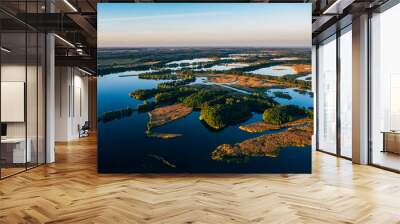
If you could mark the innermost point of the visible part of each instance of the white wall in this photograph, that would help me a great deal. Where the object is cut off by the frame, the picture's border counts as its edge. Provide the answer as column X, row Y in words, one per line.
column 71, row 102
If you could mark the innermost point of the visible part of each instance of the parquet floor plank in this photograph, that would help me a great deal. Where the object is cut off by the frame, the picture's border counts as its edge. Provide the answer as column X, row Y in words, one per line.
column 71, row 191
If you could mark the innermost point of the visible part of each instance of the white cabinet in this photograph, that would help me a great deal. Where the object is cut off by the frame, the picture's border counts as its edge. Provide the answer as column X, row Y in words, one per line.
column 19, row 154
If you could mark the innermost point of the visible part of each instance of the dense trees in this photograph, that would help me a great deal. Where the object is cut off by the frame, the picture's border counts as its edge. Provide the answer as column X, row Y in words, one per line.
column 257, row 102
column 113, row 115
column 143, row 94
column 283, row 114
column 220, row 108
column 197, row 99
column 212, row 116
column 282, row 95
column 220, row 115
column 157, row 76
column 146, row 106
column 174, row 94
column 173, row 84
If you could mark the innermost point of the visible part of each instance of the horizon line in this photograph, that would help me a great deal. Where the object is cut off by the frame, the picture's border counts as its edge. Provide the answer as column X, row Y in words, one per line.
column 133, row 47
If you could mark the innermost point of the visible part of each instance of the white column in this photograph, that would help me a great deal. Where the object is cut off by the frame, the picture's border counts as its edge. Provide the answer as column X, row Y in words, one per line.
column 63, row 112
column 360, row 90
column 50, row 98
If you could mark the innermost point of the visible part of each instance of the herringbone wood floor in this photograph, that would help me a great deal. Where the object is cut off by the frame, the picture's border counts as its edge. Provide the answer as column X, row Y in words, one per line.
column 71, row 191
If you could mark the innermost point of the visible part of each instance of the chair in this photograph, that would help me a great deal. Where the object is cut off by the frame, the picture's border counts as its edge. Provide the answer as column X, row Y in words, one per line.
column 84, row 130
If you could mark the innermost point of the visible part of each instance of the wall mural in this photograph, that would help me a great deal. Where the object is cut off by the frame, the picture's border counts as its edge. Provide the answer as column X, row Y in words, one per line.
column 204, row 88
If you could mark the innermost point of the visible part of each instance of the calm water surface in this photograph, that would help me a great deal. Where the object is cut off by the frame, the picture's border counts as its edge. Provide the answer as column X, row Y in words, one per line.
column 305, row 78
column 190, row 61
column 299, row 98
column 229, row 66
column 277, row 70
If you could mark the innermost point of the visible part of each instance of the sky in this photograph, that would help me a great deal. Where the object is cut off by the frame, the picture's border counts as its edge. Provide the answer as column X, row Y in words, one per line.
column 204, row 25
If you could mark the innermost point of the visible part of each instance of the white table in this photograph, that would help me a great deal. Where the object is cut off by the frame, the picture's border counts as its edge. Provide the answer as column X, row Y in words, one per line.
column 20, row 155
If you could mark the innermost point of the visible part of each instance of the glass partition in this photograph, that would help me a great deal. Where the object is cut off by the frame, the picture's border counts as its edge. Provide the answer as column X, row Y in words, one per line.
column 31, row 99
column 385, row 89
column 327, row 96
column 14, row 153
column 22, row 77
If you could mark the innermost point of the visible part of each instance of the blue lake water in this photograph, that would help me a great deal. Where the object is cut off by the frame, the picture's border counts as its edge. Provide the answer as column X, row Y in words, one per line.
column 227, row 66
column 277, row 70
column 123, row 146
column 190, row 61
column 305, row 78
column 298, row 98
column 130, row 73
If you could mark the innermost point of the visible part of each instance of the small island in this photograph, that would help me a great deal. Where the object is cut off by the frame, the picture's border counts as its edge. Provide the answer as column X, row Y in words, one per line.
column 262, row 126
column 115, row 115
column 163, row 135
column 220, row 115
column 143, row 94
column 244, row 81
column 163, row 115
column 302, row 68
column 158, row 76
column 282, row 95
column 283, row 114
